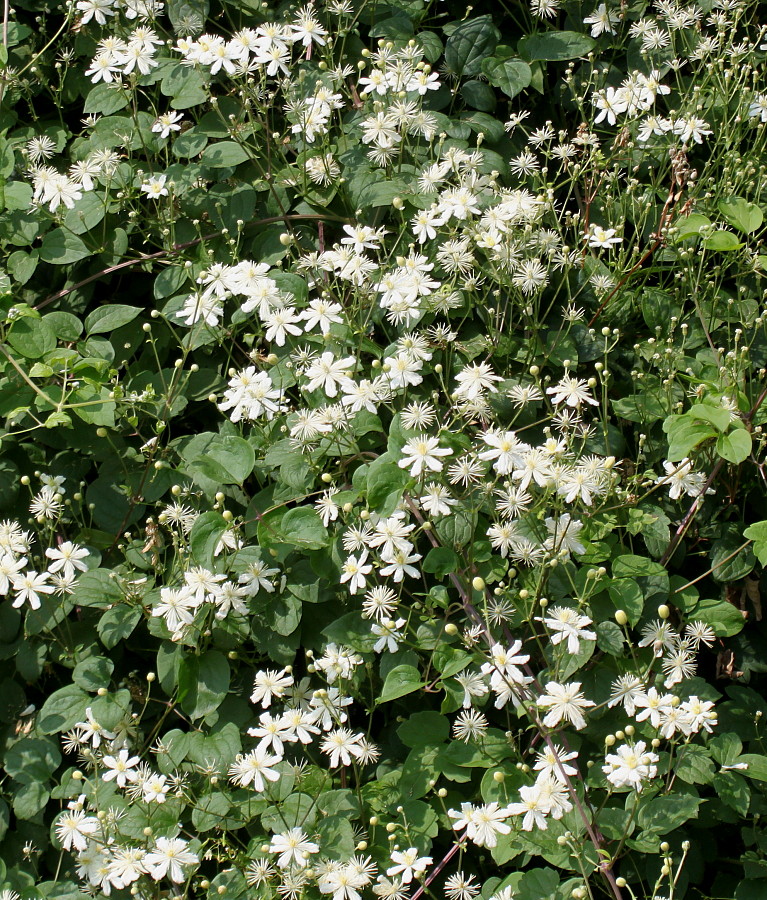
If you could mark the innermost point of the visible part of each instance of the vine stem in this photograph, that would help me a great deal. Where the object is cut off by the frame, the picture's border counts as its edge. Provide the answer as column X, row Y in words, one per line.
column 436, row 870
column 178, row 248
column 697, row 502
column 604, row 866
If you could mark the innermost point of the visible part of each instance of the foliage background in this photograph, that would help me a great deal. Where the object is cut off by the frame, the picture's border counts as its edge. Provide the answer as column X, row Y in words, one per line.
column 104, row 384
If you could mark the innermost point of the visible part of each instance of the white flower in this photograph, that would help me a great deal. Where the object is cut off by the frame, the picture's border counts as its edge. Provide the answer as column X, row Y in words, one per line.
column 483, row 823
column 126, row 866
column 177, row 606
column 564, row 701
column 680, row 478
column 599, row 237
column 294, row 848
column 28, row 586
column 270, row 684
column 572, row 391
column 534, row 806
column 258, row 575
column 631, row 765
column 601, row 21
column 553, row 761
column 95, row 9
column 121, row 768
column 436, row 500
column 354, row 571
column 691, row 129
column 254, row 768
column 421, row 453
column 167, row 122
column 474, row 380
column 388, row 635
column 155, row 788
column 252, row 394
column 154, row 186
column 342, row 745
column 329, row 373
column 168, row 857
column 567, row 624
column 73, row 829
column 322, row 313
column 653, row 706
column 67, row 557
column 408, row 864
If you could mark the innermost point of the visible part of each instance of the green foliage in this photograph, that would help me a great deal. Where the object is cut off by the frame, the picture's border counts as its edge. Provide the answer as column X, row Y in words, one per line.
column 382, row 450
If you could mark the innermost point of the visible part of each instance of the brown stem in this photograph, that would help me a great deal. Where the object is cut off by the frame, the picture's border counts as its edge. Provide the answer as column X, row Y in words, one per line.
column 178, row 248
column 696, row 504
column 673, row 196
column 604, row 865
column 435, row 871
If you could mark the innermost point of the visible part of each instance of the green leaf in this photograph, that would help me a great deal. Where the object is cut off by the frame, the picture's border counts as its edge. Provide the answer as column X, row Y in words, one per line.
column 400, row 681
column 714, row 415
column 204, row 537
column 472, row 41
column 756, row 766
column 93, row 405
column 450, row 660
column 424, row 728
column 746, row 217
column 685, row 433
column 723, row 617
column 732, row 790
column 556, row 46
column 190, row 143
column 117, row 624
column 5, row 821
column 210, row 810
column 538, row 884
column 728, row 561
column 758, row 534
column 735, row 446
column 609, row 638
column 724, row 241
column 203, row 683
column 93, row 673
column 224, row 459
column 185, row 86
column 441, row 561
column 30, row 799
column 725, row 748
column 510, row 75
column 63, row 709
column 31, row 337
column 109, row 317
column 478, row 95
column 351, row 630
column 60, row 248
column 106, row 99
column 693, row 765
column 87, row 212
column 32, row 759
column 97, row 589
column 385, row 482
column 337, row 832
column 689, row 226
column 302, row 527
column 223, row 154
column 664, row 814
